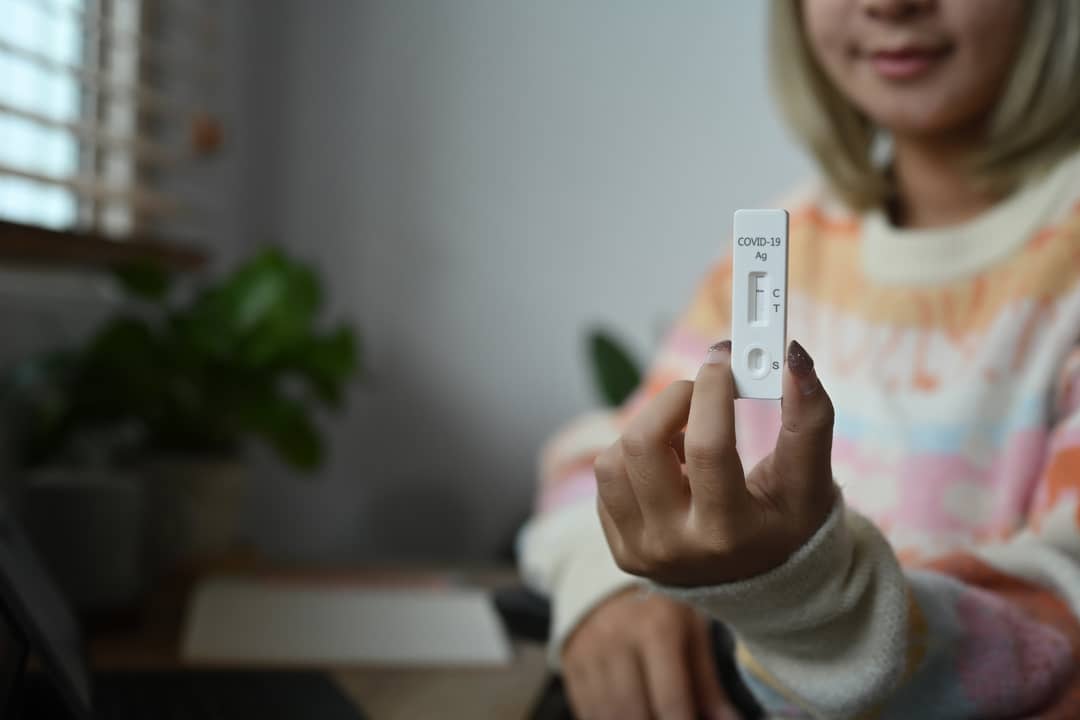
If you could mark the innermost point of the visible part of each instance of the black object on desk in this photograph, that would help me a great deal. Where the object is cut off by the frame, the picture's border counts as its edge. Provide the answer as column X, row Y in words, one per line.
column 35, row 620
column 197, row 695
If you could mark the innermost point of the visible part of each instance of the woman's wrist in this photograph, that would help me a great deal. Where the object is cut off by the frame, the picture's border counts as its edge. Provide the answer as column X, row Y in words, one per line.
column 836, row 615
column 765, row 601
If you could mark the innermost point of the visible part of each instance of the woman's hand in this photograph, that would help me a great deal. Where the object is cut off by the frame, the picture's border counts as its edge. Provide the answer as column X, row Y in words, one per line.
column 639, row 657
column 677, row 508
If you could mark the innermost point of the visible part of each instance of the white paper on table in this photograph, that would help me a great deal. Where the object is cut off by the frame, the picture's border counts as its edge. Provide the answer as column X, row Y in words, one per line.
column 236, row 621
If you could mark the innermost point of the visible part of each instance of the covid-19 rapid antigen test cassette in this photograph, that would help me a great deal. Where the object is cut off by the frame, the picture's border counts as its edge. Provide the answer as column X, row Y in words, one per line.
column 759, row 302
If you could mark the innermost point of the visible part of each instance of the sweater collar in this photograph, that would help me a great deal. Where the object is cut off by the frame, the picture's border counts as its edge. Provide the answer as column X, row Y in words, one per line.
column 934, row 256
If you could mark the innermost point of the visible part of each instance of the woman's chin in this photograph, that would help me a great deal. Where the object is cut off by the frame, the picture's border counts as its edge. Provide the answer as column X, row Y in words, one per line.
column 929, row 122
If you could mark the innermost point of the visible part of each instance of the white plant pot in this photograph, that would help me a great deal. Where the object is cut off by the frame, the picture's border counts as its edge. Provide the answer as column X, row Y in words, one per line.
column 87, row 526
column 193, row 508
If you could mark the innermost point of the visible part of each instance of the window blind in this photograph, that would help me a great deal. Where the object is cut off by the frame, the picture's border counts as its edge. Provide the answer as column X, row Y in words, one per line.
column 101, row 101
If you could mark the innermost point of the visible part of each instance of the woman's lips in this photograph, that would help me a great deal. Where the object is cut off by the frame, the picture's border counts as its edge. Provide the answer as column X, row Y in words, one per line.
column 906, row 63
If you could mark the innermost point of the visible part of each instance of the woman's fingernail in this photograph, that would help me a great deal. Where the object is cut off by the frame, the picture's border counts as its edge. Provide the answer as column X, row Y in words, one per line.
column 718, row 353
column 802, row 368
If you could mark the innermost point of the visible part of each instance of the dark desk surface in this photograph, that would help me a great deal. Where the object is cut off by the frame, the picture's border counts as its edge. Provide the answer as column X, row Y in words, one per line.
column 150, row 640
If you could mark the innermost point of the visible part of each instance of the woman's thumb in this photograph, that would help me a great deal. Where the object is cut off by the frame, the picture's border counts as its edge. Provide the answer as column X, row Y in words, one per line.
column 804, row 447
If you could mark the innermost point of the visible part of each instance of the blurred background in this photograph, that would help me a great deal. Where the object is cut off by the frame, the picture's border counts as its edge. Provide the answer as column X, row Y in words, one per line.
column 456, row 193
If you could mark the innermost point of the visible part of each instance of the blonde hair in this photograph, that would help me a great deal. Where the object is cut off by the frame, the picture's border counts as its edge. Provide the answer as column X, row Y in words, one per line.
column 1035, row 123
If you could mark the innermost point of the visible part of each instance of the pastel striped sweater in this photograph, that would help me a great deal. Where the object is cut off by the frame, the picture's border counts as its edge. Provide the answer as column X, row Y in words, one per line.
column 947, row 582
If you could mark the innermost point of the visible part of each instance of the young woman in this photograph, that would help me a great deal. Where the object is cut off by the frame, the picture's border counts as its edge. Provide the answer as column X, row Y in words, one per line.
column 902, row 538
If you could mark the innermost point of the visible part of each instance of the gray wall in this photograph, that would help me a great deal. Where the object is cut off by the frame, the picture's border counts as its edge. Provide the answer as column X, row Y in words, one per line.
column 480, row 181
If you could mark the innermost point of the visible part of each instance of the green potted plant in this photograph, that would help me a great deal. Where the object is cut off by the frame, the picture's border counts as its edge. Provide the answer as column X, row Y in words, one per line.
column 174, row 385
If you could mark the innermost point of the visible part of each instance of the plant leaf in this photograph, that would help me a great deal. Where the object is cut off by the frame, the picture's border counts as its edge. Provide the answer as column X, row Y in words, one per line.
column 285, row 425
column 615, row 372
column 259, row 312
column 326, row 362
column 145, row 280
